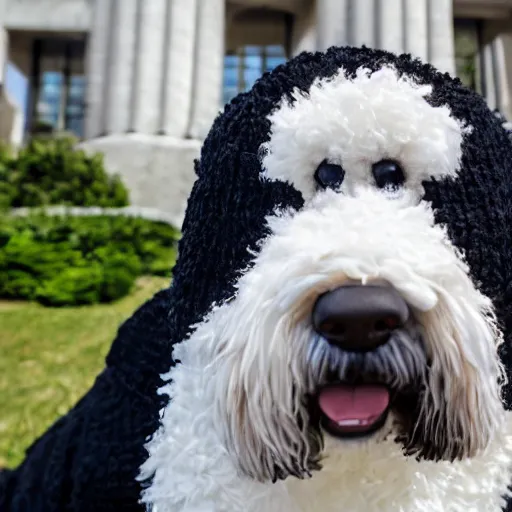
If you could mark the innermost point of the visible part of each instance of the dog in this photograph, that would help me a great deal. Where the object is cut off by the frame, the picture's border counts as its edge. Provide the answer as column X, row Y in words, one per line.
column 337, row 333
column 349, row 360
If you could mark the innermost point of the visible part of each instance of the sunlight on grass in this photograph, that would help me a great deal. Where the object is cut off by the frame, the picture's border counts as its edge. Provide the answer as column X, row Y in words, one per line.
column 50, row 358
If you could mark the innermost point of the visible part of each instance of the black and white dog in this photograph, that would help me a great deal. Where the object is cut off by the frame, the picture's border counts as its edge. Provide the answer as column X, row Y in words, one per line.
column 342, row 299
column 337, row 334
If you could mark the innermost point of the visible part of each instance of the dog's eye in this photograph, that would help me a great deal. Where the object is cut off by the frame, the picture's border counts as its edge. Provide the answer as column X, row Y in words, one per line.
column 388, row 174
column 329, row 175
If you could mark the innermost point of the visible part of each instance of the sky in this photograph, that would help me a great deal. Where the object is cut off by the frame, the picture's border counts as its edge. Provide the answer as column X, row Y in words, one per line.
column 17, row 86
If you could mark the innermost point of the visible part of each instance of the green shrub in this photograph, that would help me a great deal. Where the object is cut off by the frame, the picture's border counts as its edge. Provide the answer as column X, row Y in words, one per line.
column 74, row 285
column 7, row 188
column 162, row 259
column 120, row 268
column 50, row 170
column 80, row 260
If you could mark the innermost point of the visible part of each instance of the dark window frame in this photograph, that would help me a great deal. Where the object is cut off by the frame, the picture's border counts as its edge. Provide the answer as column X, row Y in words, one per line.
column 476, row 25
column 68, row 50
column 263, row 53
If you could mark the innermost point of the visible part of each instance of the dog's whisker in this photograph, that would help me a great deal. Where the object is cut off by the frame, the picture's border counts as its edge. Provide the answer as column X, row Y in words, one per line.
column 397, row 363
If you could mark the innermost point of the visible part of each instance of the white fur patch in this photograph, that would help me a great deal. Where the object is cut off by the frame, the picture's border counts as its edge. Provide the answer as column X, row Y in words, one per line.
column 358, row 122
column 378, row 478
column 249, row 353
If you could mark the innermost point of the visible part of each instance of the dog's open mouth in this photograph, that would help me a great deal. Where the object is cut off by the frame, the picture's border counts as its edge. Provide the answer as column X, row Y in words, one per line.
column 353, row 410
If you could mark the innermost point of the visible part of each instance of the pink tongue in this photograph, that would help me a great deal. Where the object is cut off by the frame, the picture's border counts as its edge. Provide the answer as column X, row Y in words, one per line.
column 353, row 405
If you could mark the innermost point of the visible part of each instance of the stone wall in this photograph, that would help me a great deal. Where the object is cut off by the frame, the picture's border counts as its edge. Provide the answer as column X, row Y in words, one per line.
column 52, row 15
column 158, row 171
column 304, row 36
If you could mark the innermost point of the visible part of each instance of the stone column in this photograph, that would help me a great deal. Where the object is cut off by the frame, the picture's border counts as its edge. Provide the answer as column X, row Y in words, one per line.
column 494, row 80
column 495, row 77
column 111, row 64
column 503, row 102
column 140, row 66
column 178, row 68
column 332, row 23
column 4, row 43
column 416, row 28
column 11, row 114
column 423, row 28
column 121, row 66
column 208, row 66
column 488, row 75
column 391, row 26
column 97, row 58
column 304, row 31
column 441, row 52
column 149, row 66
column 362, row 27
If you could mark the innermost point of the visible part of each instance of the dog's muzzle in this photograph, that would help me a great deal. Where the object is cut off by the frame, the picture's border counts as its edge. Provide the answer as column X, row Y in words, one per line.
column 357, row 319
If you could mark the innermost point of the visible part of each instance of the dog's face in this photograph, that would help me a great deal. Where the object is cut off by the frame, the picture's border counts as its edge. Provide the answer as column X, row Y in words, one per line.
column 362, row 311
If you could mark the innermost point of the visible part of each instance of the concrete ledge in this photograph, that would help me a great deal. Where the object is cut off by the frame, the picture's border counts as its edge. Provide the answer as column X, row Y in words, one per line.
column 157, row 170
column 151, row 214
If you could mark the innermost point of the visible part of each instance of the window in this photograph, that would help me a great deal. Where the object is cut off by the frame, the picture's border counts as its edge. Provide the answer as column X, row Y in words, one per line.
column 245, row 65
column 75, row 105
column 58, row 85
column 467, row 47
column 48, row 105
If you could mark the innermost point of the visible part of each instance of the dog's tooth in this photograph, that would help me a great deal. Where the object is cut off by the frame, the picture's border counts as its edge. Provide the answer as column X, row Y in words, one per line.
column 350, row 423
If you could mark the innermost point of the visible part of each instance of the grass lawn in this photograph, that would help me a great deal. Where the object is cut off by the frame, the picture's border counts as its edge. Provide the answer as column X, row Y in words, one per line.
column 49, row 358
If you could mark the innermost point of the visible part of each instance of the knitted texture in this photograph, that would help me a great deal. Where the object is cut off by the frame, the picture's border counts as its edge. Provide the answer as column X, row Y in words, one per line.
column 89, row 459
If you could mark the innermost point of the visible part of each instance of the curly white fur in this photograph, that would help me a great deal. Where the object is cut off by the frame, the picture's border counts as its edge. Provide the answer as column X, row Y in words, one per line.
column 233, row 416
column 356, row 122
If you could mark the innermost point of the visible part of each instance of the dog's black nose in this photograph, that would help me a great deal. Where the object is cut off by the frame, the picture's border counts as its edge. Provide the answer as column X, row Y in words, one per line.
column 359, row 318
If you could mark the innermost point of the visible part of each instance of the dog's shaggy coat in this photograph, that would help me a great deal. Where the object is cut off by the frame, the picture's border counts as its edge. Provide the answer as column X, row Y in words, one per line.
column 205, row 401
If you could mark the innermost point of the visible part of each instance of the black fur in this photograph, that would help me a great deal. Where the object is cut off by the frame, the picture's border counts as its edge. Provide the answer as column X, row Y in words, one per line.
column 89, row 459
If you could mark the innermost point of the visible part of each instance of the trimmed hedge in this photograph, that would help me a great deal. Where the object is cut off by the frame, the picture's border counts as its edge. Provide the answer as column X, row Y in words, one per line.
column 61, row 261
column 7, row 188
column 50, row 171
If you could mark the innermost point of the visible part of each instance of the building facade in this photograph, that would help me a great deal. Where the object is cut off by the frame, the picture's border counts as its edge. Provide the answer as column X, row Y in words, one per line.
column 142, row 80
